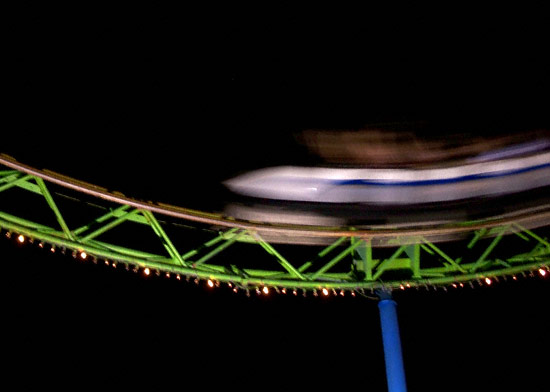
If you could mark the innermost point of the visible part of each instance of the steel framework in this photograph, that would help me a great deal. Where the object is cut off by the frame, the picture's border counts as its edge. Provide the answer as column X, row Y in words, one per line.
column 193, row 243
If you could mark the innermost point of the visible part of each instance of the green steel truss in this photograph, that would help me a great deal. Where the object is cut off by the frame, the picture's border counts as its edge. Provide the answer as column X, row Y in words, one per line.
column 351, row 261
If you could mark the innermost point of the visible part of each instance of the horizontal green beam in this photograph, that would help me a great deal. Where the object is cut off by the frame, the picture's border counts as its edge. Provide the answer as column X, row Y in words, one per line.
column 259, row 277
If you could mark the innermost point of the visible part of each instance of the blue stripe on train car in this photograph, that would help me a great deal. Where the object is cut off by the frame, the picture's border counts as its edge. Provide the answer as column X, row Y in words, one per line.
column 441, row 181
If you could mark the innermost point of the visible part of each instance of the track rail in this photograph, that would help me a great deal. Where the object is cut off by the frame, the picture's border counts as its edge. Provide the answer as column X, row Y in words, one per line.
column 529, row 218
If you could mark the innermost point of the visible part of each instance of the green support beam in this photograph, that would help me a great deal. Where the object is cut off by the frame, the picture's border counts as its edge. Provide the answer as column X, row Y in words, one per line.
column 388, row 263
column 14, row 180
column 221, row 237
column 413, row 251
column 49, row 199
column 109, row 226
column 220, row 248
column 335, row 260
column 166, row 242
column 305, row 266
column 286, row 265
column 444, row 256
column 98, row 221
column 482, row 259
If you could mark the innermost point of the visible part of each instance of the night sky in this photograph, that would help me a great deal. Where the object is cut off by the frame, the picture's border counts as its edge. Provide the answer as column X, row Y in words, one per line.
column 164, row 108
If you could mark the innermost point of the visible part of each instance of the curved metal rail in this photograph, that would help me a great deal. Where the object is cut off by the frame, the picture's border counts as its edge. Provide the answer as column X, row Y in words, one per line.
column 344, row 258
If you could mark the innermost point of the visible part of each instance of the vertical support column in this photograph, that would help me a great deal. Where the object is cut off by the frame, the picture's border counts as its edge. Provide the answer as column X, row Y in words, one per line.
column 413, row 251
column 395, row 371
column 362, row 256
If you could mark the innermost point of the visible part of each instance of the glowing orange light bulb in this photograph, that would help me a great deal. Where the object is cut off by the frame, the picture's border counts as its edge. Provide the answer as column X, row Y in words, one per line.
column 83, row 255
column 147, row 271
column 488, row 281
column 325, row 291
column 542, row 272
column 210, row 283
column 21, row 238
column 265, row 290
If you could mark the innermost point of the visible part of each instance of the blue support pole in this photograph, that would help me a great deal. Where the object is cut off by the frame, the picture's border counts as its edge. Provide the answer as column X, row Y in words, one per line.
column 395, row 372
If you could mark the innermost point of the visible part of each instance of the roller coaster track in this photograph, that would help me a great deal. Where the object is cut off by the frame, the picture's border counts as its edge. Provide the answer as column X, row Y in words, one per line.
column 97, row 224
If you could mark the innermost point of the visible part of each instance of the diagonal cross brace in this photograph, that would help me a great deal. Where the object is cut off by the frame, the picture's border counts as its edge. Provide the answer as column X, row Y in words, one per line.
column 480, row 261
column 322, row 254
column 109, row 225
column 98, row 221
column 13, row 180
column 286, row 265
column 7, row 173
column 159, row 231
column 335, row 260
column 53, row 206
column 533, row 235
column 443, row 255
column 208, row 244
column 221, row 247
column 383, row 265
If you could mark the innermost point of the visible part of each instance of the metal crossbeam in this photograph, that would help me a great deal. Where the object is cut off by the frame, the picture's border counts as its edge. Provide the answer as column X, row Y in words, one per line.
column 98, row 221
column 13, row 180
column 49, row 199
column 335, row 260
column 482, row 259
column 220, row 248
column 444, row 255
column 166, row 242
column 286, row 265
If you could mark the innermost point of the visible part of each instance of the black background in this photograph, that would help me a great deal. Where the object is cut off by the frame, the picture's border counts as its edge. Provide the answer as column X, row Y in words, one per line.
column 132, row 98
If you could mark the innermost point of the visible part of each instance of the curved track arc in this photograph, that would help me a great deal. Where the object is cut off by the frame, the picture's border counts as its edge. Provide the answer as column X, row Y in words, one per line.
column 411, row 257
column 522, row 217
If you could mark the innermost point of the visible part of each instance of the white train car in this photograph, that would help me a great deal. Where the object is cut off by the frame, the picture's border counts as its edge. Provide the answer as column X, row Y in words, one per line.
column 489, row 175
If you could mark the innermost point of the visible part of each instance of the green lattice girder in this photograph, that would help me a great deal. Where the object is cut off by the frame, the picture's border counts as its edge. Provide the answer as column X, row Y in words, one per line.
column 348, row 262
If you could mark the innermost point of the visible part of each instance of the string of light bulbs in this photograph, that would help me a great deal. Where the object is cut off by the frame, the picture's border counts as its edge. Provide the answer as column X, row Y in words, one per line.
column 541, row 270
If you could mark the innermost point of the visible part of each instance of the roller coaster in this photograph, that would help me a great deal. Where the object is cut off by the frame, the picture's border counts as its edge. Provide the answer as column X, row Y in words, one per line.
column 94, row 223
column 301, row 251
